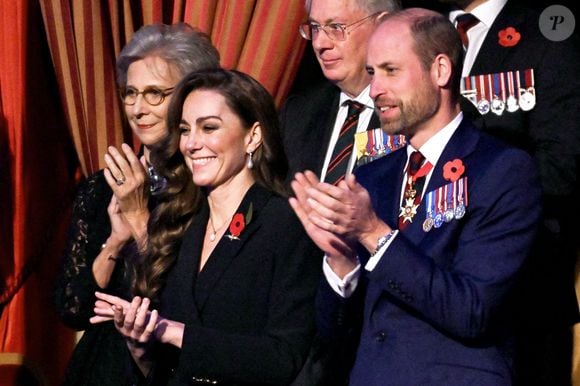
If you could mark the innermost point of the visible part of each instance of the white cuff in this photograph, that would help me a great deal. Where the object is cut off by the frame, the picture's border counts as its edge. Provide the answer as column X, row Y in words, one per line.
column 344, row 287
column 376, row 257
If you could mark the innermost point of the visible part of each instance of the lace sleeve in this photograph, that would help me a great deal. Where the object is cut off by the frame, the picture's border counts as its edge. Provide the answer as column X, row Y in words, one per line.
column 89, row 229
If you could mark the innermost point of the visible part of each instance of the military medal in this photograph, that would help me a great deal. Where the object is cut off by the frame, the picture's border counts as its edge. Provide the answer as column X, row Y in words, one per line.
column 373, row 144
column 468, row 91
column 461, row 198
column 409, row 209
column 497, row 103
column 438, row 219
column 428, row 223
column 511, row 102
column 483, row 102
column 378, row 147
column 445, row 204
column 449, row 213
column 527, row 99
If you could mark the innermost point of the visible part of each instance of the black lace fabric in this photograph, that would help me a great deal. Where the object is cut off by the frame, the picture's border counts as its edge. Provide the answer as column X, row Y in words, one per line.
column 101, row 357
column 89, row 229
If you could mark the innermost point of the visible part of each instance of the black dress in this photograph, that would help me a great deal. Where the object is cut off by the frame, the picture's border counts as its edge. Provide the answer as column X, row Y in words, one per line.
column 101, row 356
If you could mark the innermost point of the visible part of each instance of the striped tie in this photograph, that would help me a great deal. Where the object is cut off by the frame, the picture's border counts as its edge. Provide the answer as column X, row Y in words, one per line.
column 338, row 165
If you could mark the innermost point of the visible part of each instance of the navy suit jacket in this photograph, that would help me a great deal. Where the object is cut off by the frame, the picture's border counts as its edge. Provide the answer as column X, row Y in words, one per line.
column 307, row 121
column 249, row 314
column 438, row 305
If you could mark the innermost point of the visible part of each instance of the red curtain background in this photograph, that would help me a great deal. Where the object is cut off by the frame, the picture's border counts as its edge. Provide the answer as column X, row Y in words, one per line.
column 255, row 36
column 59, row 111
column 37, row 165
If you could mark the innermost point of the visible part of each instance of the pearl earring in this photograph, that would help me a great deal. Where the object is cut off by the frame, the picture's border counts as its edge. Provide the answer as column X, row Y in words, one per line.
column 250, row 163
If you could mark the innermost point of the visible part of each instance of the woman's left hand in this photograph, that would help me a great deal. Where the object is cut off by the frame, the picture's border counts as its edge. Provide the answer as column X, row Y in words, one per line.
column 133, row 320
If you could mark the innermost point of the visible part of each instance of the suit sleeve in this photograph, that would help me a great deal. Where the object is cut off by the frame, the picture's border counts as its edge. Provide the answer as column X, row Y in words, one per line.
column 275, row 355
column 465, row 296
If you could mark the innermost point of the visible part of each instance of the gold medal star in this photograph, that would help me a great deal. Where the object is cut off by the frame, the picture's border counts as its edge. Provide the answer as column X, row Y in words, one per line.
column 409, row 210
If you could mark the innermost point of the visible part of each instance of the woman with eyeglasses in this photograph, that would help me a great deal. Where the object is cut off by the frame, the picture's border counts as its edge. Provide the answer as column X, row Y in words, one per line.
column 111, row 210
column 225, row 291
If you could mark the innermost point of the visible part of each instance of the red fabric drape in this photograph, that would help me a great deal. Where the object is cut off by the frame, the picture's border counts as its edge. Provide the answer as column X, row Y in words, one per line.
column 258, row 37
column 36, row 178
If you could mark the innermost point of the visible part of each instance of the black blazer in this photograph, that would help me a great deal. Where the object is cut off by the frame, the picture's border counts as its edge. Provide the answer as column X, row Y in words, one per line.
column 307, row 121
column 249, row 314
column 550, row 131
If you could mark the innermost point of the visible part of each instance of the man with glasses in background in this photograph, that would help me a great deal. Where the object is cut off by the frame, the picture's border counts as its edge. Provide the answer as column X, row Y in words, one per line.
column 319, row 123
column 313, row 121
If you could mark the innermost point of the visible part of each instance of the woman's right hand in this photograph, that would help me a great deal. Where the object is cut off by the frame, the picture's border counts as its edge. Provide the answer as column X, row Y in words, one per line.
column 127, row 177
column 134, row 322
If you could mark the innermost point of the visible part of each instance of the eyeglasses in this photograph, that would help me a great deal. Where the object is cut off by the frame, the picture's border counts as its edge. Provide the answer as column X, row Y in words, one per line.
column 335, row 31
column 152, row 95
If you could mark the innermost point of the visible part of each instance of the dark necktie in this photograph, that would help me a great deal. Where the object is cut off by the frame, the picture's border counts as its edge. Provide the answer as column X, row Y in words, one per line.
column 414, row 181
column 337, row 167
column 464, row 23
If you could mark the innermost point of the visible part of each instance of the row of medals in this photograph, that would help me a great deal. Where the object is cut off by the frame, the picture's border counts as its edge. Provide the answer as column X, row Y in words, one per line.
column 500, row 92
column 444, row 216
column 434, row 218
column 454, row 207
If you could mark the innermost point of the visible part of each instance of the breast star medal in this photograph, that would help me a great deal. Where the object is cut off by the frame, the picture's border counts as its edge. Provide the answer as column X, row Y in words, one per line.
column 409, row 210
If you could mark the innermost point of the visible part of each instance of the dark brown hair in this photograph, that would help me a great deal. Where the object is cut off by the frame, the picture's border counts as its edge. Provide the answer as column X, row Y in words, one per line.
column 181, row 199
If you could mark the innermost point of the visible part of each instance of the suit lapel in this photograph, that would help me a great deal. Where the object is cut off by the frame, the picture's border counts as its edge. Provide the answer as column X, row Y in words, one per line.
column 491, row 53
column 228, row 249
column 324, row 124
column 178, row 295
column 374, row 122
column 384, row 184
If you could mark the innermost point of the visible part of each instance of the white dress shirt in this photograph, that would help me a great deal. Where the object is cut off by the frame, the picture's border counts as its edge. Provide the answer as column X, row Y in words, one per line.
column 486, row 13
column 431, row 150
column 363, row 123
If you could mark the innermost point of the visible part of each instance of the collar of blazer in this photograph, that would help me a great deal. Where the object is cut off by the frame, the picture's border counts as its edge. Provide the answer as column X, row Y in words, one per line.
column 227, row 248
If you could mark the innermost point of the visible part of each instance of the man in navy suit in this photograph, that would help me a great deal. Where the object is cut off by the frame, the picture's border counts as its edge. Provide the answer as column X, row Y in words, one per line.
column 424, row 254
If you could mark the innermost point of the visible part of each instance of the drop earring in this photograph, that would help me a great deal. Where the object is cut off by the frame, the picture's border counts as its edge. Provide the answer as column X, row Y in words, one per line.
column 250, row 163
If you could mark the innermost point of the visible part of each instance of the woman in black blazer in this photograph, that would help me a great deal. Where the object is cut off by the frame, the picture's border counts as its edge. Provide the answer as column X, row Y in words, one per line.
column 229, row 270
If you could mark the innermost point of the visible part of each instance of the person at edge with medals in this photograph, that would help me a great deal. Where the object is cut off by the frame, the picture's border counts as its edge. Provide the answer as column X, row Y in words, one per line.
column 111, row 208
column 424, row 247
column 522, row 86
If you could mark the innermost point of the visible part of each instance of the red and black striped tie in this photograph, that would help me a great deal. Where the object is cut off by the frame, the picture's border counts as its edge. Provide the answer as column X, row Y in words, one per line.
column 338, row 164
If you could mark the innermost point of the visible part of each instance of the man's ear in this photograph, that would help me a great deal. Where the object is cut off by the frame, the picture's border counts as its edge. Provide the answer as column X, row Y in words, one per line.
column 441, row 70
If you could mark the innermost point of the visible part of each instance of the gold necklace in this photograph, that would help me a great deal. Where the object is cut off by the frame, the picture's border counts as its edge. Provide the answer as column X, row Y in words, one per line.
column 213, row 234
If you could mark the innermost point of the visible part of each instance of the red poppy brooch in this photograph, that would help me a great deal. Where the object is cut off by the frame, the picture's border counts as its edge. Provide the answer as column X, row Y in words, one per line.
column 509, row 37
column 453, row 170
column 239, row 222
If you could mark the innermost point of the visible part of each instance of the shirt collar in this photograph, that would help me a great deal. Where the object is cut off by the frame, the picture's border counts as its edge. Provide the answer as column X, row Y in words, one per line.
column 433, row 148
column 486, row 12
column 363, row 98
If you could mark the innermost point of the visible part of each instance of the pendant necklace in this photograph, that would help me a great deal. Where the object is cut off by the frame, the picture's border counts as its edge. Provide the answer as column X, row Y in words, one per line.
column 213, row 234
